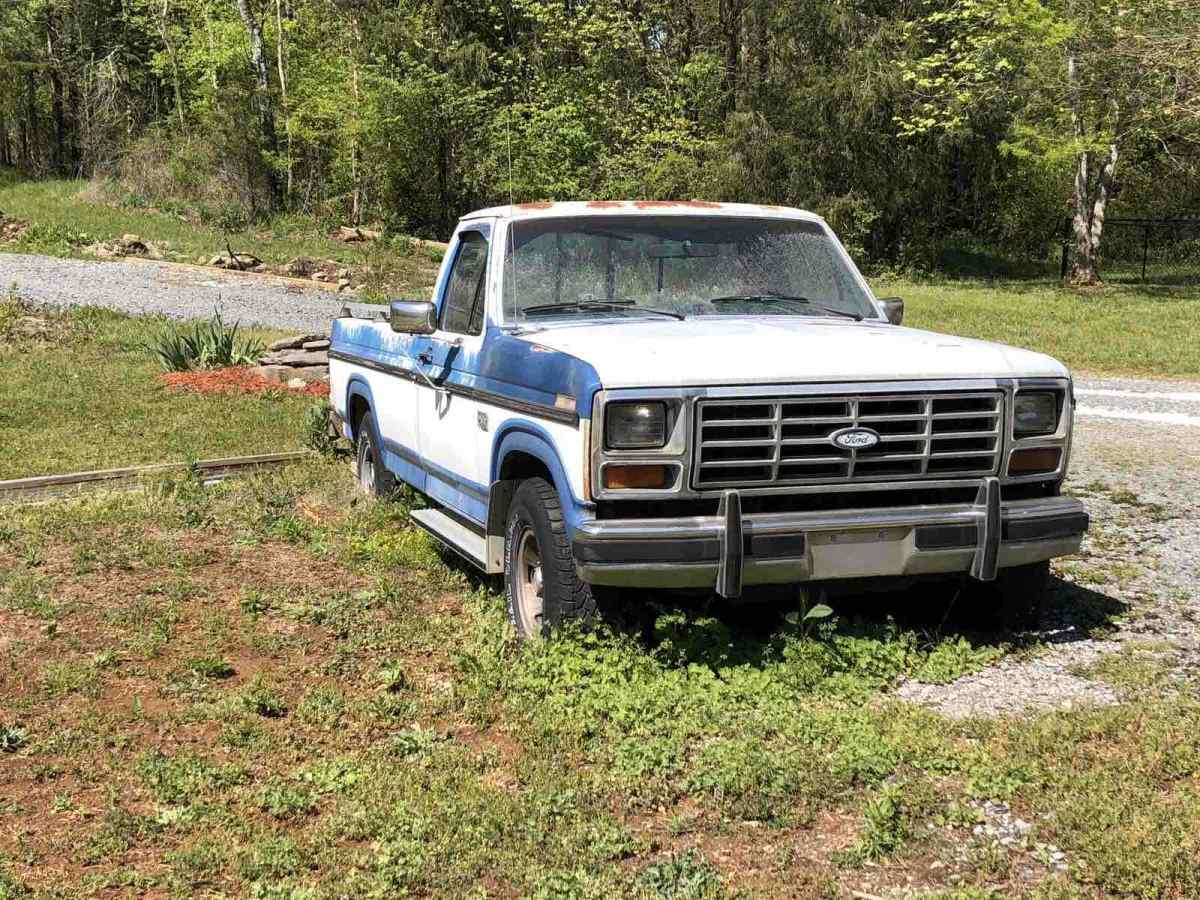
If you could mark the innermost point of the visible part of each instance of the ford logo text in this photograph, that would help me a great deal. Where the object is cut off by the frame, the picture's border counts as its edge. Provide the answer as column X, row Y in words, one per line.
column 854, row 438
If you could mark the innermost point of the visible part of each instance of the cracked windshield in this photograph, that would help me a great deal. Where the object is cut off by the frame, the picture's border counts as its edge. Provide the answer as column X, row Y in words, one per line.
column 677, row 267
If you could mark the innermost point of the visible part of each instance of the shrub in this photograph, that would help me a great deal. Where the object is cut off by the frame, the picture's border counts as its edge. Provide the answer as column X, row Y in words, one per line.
column 208, row 344
column 318, row 432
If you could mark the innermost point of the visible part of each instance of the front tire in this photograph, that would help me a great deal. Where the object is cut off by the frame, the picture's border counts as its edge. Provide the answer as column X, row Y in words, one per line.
column 373, row 476
column 543, row 589
column 1013, row 602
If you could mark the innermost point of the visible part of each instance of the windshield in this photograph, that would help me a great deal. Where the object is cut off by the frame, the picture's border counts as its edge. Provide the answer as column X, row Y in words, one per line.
column 612, row 266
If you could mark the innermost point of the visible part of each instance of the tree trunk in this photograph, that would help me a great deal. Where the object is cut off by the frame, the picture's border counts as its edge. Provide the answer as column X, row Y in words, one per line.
column 356, row 195
column 1103, row 191
column 165, row 34
column 1083, row 268
column 32, row 129
column 60, row 121
column 5, row 153
column 731, row 26
column 280, row 59
column 262, row 93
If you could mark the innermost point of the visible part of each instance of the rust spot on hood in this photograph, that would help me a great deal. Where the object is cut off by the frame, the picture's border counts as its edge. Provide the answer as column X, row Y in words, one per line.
column 537, row 204
column 606, row 204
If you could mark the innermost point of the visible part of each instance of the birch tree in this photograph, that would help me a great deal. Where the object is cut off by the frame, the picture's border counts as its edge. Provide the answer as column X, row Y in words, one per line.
column 1064, row 74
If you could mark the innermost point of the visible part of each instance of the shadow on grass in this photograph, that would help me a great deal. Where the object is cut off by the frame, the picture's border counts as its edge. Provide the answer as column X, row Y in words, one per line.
column 707, row 630
column 714, row 631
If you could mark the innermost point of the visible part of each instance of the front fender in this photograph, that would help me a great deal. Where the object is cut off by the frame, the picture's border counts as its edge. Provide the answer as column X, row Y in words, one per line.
column 519, row 435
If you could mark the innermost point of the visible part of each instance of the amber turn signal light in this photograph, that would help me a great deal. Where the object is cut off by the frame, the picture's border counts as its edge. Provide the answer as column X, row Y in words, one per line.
column 639, row 477
column 1034, row 460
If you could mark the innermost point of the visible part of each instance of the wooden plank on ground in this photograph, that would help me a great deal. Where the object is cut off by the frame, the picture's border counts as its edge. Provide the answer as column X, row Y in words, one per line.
column 48, row 487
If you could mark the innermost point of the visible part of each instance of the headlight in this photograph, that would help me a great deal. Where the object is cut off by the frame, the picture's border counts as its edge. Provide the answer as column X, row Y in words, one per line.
column 635, row 426
column 1035, row 413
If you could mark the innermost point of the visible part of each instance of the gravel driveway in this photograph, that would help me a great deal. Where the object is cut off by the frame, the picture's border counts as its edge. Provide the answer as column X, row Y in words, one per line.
column 177, row 291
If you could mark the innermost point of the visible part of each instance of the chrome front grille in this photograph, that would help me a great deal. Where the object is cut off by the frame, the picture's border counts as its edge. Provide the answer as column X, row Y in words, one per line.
column 776, row 441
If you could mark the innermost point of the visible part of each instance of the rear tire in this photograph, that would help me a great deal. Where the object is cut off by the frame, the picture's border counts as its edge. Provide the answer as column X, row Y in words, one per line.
column 373, row 476
column 543, row 590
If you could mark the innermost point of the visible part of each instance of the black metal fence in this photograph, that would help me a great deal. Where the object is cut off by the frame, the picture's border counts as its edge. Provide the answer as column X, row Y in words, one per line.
column 1148, row 251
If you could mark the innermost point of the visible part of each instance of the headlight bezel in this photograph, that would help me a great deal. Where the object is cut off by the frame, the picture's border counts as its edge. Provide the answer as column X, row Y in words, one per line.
column 674, row 453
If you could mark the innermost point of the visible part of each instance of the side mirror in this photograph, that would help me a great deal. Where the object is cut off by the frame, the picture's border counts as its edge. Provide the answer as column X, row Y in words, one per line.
column 893, row 308
column 413, row 316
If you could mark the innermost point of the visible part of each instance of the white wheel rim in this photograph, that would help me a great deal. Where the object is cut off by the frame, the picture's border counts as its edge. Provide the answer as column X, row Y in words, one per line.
column 529, row 585
column 366, row 468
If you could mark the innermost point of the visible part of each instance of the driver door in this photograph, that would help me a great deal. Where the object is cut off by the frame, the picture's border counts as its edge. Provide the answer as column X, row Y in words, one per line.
column 449, row 430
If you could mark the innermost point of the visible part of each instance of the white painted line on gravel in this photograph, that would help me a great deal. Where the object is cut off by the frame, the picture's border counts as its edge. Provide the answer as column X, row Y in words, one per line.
column 1160, row 418
column 1181, row 396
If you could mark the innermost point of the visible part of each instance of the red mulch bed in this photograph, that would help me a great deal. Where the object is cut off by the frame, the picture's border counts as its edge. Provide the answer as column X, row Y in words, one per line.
column 234, row 380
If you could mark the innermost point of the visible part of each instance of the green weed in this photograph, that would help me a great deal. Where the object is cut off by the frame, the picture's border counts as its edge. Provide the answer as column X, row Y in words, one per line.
column 262, row 699
column 12, row 738
column 685, row 876
column 203, row 344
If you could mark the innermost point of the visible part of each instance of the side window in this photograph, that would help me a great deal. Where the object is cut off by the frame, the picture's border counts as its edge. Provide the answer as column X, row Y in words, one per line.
column 462, row 306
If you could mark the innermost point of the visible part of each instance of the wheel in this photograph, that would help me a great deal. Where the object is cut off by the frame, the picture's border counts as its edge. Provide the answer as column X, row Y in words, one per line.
column 373, row 476
column 540, row 581
column 1014, row 600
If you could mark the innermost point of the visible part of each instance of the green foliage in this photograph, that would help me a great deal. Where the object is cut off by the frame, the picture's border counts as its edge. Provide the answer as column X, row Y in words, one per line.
column 263, row 699
column 203, row 344
column 283, row 801
column 904, row 124
column 884, row 827
column 184, row 779
column 684, row 876
column 11, row 309
column 12, row 738
column 317, row 431
column 211, row 667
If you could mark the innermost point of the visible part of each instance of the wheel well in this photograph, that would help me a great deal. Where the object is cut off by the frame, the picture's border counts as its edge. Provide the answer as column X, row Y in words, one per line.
column 515, row 468
column 518, row 466
column 358, row 408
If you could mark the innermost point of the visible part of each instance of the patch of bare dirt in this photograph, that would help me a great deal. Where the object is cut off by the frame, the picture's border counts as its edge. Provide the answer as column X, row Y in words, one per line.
column 233, row 380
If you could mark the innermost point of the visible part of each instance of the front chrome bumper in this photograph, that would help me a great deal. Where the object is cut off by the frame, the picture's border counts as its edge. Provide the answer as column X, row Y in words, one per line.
column 730, row 550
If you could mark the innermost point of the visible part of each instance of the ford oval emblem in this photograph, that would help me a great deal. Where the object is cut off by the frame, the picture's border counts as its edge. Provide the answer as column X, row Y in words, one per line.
column 854, row 438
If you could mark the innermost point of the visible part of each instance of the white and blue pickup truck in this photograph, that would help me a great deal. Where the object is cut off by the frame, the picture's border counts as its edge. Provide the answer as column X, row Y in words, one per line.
column 700, row 395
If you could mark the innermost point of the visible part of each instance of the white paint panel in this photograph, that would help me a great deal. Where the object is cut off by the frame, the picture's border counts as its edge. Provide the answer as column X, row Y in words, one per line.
column 566, row 440
column 709, row 350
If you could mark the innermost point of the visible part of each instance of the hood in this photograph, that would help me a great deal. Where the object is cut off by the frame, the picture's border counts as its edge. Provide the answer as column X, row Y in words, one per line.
column 711, row 351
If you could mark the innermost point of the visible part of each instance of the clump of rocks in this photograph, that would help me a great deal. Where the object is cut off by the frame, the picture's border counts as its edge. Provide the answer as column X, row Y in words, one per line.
column 11, row 229
column 237, row 262
column 126, row 245
column 324, row 271
column 297, row 361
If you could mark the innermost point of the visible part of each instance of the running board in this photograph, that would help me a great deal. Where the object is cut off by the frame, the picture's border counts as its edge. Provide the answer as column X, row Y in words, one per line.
column 469, row 544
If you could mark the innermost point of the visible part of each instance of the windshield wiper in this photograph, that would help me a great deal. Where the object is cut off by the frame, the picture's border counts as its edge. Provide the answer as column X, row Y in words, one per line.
column 616, row 304
column 786, row 298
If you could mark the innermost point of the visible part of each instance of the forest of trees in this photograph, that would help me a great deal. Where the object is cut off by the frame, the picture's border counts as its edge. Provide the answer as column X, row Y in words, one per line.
column 907, row 123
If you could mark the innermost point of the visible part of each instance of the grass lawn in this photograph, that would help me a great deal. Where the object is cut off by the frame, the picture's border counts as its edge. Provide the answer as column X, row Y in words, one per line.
column 87, row 398
column 265, row 689
column 67, row 220
column 1117, row 330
